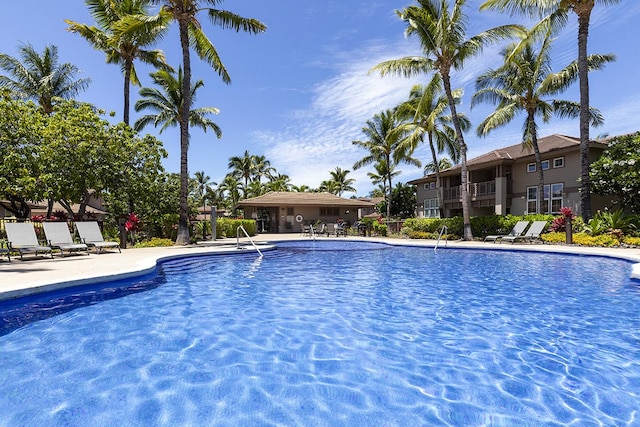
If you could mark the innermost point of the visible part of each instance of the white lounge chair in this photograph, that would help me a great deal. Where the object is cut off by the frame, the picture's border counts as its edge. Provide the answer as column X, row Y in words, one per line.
column 533, row 233
column 517, row 230
column 22, row 239
column 91, row 235
column 59, row 237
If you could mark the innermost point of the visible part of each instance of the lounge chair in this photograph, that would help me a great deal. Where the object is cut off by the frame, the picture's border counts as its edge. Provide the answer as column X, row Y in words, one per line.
column 22, row 239
column 5, row 252
column 91, row 235
column 533, row 233
column 59, row 237
column 517, row 230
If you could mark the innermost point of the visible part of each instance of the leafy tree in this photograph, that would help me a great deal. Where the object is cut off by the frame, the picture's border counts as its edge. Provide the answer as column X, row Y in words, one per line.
column 21, row 125
column 123, row 48
column 427, row 110
column 441, row 30
column 524, row 83
column 555, row 15
column 384, row 146
column 191, row 34
column 40, row 77
column 617, row 172
column 403, row 199
column 82, row 151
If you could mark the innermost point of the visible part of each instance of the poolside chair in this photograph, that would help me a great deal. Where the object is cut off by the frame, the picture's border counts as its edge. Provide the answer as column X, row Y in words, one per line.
column 91, row 235
column 22, row 239
column 517, row 230
column 59, row 237
column 533, row 233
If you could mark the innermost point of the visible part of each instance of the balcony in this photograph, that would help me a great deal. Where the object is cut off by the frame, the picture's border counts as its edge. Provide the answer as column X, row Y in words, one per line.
column 476, row 189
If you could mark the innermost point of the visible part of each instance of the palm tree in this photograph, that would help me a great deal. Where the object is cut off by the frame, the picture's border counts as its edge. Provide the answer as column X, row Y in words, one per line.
column 40, row 77
column 383, row 145
column 242, row 167
column 262, row 168
column 203, row 183
column 339, row 176
column 122, row 48
column 329, row 186
column 381, row 174
column 191, row 35
column 443, row 163
column 168, row 104
column 230, row 186
column 279, row 182
column 428, row 109
column 521, row 84
column 555, row 13
column 442, row 33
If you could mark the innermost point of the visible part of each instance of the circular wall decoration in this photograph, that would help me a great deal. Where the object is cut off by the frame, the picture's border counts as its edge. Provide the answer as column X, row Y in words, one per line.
column 299, row 218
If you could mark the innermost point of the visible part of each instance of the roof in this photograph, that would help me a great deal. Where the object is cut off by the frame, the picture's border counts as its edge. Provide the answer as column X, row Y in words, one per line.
column 279, row 198
column 515, row 152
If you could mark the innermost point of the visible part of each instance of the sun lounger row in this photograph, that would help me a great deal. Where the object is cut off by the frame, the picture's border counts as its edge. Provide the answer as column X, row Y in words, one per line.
column 518, row 233
column 22, row 238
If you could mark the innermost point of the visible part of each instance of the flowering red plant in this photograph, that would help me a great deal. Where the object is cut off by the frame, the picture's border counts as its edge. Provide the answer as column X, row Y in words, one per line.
column 37, row 218
column 133, row 221
column 566, row 212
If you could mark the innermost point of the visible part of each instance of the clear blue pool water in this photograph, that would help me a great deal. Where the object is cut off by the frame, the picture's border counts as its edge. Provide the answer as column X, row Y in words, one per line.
column 332, row 334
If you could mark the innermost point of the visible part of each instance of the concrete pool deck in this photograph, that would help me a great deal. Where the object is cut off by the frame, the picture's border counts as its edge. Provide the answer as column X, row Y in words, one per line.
column 34, row 275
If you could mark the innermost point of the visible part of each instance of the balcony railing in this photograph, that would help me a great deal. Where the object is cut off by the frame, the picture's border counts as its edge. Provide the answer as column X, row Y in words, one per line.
column 476, row 189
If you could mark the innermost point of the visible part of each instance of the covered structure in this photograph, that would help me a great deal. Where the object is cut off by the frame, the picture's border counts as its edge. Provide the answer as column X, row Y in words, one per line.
column 282, row 212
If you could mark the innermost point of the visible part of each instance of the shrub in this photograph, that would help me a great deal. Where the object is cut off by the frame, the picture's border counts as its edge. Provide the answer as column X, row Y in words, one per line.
column 555, row 237
column 631, row 241
column 380, row 229
column 226, row 227
column 154, row 243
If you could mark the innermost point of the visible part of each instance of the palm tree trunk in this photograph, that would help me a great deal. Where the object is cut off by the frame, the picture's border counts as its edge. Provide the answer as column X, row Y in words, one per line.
column 390, row 188
column 536, row 149
column 584, row 15
column 127, row 83
column 436, row 165
column 464, row 187
column 183, row 223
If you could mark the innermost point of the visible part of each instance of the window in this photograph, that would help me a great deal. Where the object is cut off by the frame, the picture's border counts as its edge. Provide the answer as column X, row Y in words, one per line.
column 551, row 204
column 432, row 185
column 329, row 212
column 426, row 185
column 431, row 208
column 545, row 165
column 289, row 211
column 531, row 167
column 558, row 162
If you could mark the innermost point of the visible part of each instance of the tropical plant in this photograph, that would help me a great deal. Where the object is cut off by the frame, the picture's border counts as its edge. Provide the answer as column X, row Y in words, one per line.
column 427, row 109
column 40, row 77
column 383, row 145
column 167, row 103
column 192, row 36
column 242, row 167
column 123, row 48
column 554, row 15
column 339, row 176
column 524, row 83
column 202, row 185
column 441, row 30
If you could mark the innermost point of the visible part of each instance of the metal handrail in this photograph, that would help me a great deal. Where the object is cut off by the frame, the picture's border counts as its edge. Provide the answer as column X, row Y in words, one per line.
column 444, row 227
column 248, row 237
column 312, row 232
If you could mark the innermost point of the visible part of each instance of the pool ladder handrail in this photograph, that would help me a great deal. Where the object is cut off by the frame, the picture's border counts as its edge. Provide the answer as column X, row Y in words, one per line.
column 312, row 232
column 442, row 230
column 248, row 237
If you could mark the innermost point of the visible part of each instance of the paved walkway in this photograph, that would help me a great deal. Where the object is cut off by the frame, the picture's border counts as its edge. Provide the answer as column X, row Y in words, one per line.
column 19, row 278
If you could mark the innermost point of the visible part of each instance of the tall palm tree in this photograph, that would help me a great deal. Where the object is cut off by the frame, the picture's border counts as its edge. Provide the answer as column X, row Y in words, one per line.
column 555, row 14
column 279, row 182
column 521, row 84
column 242, row 167
column 123, row 48
column 41, row 77
column 382, row 172
column 262, row 168
column 441, row 30
column 202, row 185
column 383, row 145
column 167, row 103
column 230, row 187
column 428, row 111
column 191, row 34
column 339, row 176
column 443, row 163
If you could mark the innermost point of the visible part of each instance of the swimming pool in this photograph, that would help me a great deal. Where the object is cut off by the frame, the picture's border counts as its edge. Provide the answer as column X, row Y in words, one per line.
column 332, row 333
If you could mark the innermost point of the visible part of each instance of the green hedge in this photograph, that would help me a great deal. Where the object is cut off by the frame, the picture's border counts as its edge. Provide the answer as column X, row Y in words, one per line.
column 481, row 226
column 226, row 227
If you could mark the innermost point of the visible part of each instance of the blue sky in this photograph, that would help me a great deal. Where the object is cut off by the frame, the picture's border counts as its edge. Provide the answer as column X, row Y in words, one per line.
column 301, row 91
